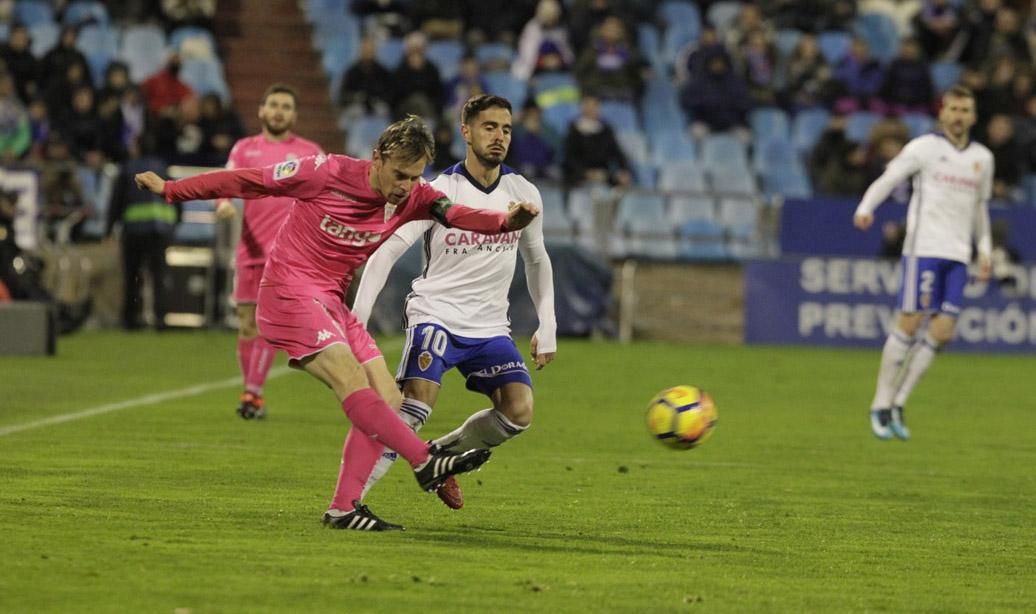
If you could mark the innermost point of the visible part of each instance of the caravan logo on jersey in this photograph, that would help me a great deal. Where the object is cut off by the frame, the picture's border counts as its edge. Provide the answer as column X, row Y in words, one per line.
column 285, row 169
column 350, row 236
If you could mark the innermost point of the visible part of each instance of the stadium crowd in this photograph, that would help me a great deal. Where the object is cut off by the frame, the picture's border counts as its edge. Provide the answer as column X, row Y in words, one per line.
column 619, row 92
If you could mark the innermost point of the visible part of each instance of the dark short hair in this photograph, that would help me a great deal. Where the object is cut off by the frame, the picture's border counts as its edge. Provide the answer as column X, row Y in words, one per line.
column 959, row 91
column 280, row 88
column 409, row 140
column 477, row 104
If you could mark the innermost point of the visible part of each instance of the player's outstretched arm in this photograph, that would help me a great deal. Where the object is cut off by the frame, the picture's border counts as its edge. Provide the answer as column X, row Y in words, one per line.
column 240, row 183
column 485, row 221
column 539, row 276
column 904, row 165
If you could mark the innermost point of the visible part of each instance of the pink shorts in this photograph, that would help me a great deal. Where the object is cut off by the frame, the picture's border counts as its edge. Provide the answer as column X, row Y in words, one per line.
column 246, row 283
column 303, row 322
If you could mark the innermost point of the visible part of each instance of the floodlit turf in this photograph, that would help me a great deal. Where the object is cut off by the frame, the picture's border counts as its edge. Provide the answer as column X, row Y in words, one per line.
column 792, row 506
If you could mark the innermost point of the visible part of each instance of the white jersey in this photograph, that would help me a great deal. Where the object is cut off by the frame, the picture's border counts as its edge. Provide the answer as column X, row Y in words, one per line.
column 467, row 275
column 948, row 207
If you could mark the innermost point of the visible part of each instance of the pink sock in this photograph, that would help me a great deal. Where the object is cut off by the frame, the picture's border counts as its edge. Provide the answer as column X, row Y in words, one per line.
column 359, row 454
column 259, row 366
column 244, row 356
column 372, row 415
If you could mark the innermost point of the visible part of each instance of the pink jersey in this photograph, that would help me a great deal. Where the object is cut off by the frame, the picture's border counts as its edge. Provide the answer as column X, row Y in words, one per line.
column 337, row 219
column 263, row 217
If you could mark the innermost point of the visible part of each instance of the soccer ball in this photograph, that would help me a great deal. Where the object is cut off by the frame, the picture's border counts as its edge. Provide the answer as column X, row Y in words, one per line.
column 681, row 417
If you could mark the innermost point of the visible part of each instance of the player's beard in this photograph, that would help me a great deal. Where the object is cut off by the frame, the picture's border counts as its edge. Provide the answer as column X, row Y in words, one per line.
column 488, row 159
column 275, row 130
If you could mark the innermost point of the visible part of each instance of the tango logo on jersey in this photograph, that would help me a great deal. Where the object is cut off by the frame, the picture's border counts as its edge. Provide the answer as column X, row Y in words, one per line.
column 424, row 360
column 514, row 365
column 323, row 336
column 456, row 239
column 285, row 170
column 351, row 236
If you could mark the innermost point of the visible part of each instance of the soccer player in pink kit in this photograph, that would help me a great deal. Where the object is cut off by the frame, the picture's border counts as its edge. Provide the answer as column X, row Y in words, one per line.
column 344, row 209
column 261, row 221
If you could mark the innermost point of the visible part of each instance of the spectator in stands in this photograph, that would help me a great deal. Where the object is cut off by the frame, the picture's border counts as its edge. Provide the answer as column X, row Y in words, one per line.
column 1021, row 90
column 937, row 25
column 806, row 77
column 179, row 136
column 16, row 55
column 690, row 63
column 116, row 80
column 836, row 163
column 543, row 45
column 997, row 96
column 611, row 67
column 180, row 13
column 1026, row 130
column 591, row 152
column 587, row 15
column 534, row 145
column 718, row 99
column 366, row 86
column 60, row 89
column 221, row 128
column 147, row 224
column 858, row 78
column 417, row 86
column 749, row 19
column 1008, row 157
column 112, row 127
column 384, row 17
column 64, row 203
column 81, row 127
column 880, row 153
column 444, row 138
column 758, row 58
column 134, row 116
column 39, row 128
column 467, row 83
column 994, row 31
column 907, row 87
column 164, row 90
column 15, row 135
column 813, row 16
column 56, row 62
column 439, row 19
column 496, row 20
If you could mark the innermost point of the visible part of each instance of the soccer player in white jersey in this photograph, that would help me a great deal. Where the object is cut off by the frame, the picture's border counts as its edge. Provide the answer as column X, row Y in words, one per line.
column 456, row 314
column 952, row 180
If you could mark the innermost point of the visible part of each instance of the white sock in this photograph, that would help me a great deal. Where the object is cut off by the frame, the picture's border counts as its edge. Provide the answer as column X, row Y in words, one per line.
column 893, row 354
column 415, row 413
column 483, row 429
column 917, row 365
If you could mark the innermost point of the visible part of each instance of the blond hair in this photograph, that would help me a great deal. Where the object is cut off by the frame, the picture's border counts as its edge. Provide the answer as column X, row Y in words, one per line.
column 409, row 140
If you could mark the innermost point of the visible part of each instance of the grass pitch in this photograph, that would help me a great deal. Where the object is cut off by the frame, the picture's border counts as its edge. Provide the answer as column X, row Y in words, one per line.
column 171, row 503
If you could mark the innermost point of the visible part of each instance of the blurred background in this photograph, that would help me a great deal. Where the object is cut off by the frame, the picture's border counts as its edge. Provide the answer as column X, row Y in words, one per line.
column 699, row 162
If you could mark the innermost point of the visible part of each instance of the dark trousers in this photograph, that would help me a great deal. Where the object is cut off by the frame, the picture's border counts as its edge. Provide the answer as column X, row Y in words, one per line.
column 139, row 251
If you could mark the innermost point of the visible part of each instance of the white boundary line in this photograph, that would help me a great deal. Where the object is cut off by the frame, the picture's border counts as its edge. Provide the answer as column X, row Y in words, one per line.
column 150, row 399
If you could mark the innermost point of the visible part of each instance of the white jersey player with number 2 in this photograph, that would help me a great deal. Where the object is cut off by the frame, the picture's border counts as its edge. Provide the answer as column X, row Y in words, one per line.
column 456, row 314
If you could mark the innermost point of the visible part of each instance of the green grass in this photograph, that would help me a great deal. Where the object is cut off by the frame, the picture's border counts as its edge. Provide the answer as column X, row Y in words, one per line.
column 791, row 506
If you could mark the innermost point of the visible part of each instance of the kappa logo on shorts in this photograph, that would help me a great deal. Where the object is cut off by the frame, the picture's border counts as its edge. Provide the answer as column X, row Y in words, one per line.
column 424, row 360
column 285, row 170
column 323, row 336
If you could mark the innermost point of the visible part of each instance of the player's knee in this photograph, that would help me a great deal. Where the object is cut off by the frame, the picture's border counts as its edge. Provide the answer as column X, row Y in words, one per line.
column 519, row 412
column 248, row 330
column 909, row 323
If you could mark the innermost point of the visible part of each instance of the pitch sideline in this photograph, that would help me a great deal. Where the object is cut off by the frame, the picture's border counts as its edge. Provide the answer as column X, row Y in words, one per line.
column 149, row 399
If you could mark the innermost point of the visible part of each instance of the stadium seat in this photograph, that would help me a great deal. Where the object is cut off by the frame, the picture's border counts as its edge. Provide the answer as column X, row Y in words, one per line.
column 334, row 26
column 97, row 39
column 679, row 11
column 733, row 180
column 739, row 215
column 642, row 216
column 315, row 10
column 193, row 43
column 82, row 11
column 858, row 125
column 645, row 174
column 769, row 123
column 446, row 55
column 677, row 36
column 880, row 33
column 722, row 14
column 32, row 12
column 634, row 145
column 503, row 83
column 787, row 181
column 363, row 134
column 143, row 49
column 560, row 115
column 44, row 37
column 692, row 208
column 581, row 207
column 786, row 41
column 649, row 42
column 337, row 55
column 671, row 146
column 681, row 176
column 807, row 127
column 723, row 151
column 557, row 226
column 621, row 116
column 944, row 75
column 701, row 240
column 495, row 56
column 205, row 77
column 772, row 153
column 918, row 123
column 834, row 45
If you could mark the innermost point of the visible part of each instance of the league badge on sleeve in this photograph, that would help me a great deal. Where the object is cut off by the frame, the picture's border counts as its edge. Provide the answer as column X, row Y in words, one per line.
column 285, row 170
